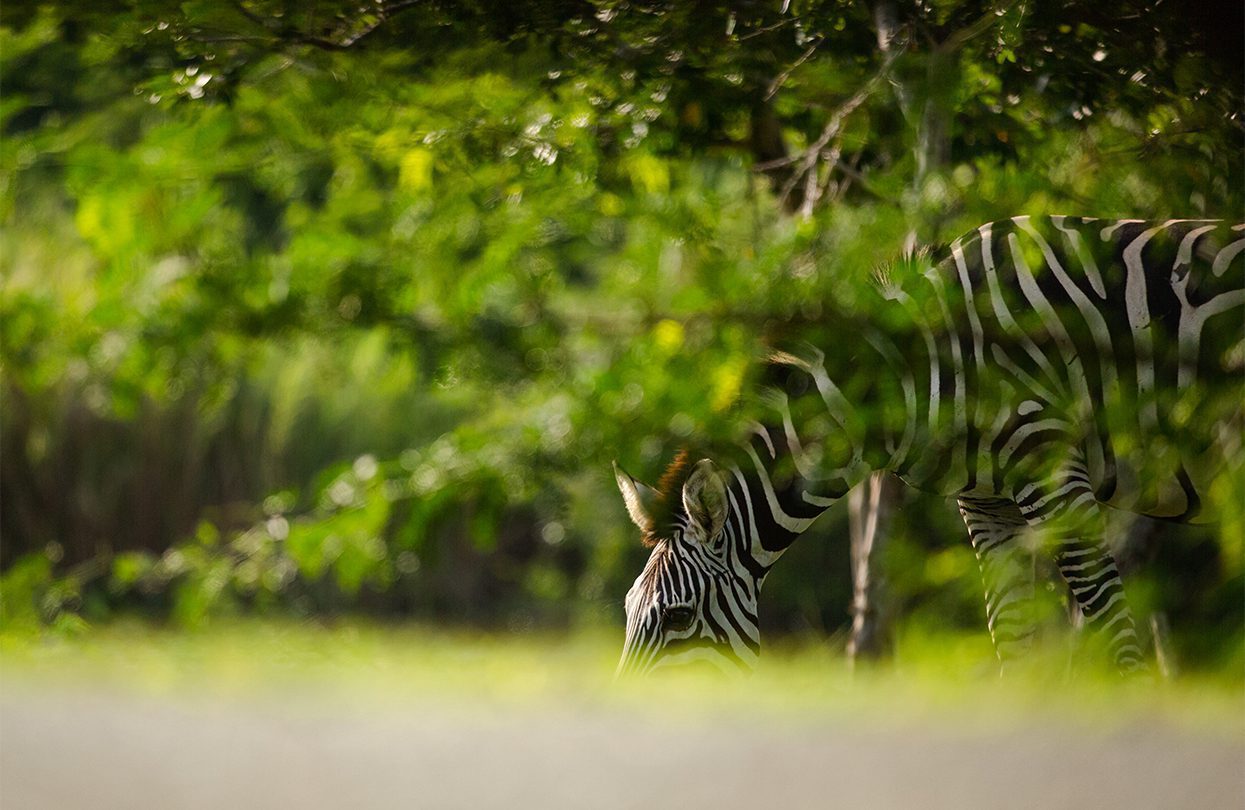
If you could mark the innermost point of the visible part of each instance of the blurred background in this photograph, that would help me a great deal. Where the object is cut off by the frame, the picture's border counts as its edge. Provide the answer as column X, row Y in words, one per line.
column 322, row 322
column 339, row 311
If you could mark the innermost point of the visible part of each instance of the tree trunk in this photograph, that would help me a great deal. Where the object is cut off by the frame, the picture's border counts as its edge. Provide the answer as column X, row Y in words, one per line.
column 871, row 504
column 870, row 507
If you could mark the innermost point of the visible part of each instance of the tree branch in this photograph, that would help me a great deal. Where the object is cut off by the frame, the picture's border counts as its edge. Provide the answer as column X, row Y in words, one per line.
column 982, row 24
column 806, row 161
column 287, row 34
column 786, row 74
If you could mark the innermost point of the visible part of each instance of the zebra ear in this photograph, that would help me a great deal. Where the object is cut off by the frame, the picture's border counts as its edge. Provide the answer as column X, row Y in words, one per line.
column 704, row 498
column 638, row 497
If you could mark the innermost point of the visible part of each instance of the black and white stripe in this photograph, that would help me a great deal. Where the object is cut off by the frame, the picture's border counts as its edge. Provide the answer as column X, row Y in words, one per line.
column 1047, row 367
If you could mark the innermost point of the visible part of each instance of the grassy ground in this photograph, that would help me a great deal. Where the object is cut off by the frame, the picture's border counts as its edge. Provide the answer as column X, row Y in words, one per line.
column 932, row 679
column 282, row 714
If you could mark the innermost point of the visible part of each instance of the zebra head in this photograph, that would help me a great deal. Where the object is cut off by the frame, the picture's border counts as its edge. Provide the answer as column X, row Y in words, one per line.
column 690, row 604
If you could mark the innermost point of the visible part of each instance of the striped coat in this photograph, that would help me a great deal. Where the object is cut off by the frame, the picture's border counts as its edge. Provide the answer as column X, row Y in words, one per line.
column 1040, row 370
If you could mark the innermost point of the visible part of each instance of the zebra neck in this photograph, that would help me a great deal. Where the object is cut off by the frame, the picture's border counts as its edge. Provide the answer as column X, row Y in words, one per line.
column 775, row 495
column 869, row 402
column 822, row 437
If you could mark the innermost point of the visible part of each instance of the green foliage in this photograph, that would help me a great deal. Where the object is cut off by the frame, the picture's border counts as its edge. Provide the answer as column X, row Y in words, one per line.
column 21, row 589
column 423, row 275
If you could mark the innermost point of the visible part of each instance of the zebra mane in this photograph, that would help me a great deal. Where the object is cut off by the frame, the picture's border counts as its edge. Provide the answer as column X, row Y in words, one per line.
column 668, row 506
column 888, row 277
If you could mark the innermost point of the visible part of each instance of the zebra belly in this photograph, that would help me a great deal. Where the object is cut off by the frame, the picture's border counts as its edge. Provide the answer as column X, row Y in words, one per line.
column 1155, row 488
column 1164, row 477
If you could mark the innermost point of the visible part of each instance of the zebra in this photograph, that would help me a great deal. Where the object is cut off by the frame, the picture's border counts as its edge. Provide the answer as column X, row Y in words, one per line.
column 1041, row 370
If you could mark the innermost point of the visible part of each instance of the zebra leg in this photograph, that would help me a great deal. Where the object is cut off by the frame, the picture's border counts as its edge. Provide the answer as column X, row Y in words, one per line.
column 1006, row 572
column 1073, row 521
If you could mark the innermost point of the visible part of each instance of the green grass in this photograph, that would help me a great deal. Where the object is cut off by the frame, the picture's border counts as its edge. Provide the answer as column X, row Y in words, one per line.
column 939, row 680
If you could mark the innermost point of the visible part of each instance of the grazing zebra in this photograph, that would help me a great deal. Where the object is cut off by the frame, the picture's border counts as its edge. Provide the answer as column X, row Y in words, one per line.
column 1044, row 368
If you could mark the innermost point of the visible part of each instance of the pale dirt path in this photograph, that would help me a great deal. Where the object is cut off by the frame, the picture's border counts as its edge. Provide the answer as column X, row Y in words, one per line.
column 63, row 749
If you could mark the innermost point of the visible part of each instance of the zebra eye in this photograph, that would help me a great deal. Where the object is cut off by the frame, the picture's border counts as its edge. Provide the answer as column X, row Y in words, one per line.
column 676, row 618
